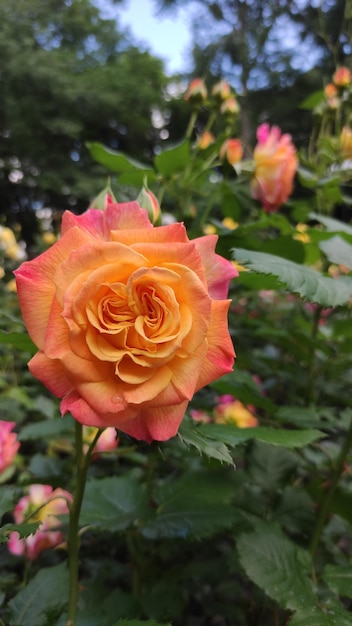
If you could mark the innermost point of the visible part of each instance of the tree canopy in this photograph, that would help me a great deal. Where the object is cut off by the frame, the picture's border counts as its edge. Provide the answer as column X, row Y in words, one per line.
column 67, row 76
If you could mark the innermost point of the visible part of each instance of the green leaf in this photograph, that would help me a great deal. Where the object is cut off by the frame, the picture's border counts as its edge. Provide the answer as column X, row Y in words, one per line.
column 337, row 250
column 20, row 341
column 275, row 564
column 270, row 467
column 308, row 283
column 47, row 429
column 118, row 162
column 313, row 100
column 329, row 614
column 233, row 436
column 7, row 498
column 331, row 224
column 191, row 435
column 113, row 504
column 46, row 592
column 173, row 160
column 339, row 579
column 197, row 505
column 24, row 530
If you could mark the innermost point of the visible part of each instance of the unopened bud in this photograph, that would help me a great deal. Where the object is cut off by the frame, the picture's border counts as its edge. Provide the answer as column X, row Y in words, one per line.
column 197, row 92
column 221, row 90
column 342, row 77
column 232, row 150
column 149, row 202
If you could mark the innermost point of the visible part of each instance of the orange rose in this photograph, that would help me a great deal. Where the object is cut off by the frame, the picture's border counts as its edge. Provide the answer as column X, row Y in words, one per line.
column 127, row 318
column 342, row 77
column 275, row 167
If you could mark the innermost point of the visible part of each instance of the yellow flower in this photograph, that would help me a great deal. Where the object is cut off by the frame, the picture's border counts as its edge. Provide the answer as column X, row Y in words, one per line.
column 301, row 234
column 229, row 223
column 48, row 238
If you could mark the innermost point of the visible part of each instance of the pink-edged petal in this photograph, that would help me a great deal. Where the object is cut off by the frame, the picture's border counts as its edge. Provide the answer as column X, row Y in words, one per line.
column 218, row 270
column 126, row 215
column 84, row 413
column 159, row 424
column 51, row 373
column 36, row 286
column 172, row 233
column 219, row 359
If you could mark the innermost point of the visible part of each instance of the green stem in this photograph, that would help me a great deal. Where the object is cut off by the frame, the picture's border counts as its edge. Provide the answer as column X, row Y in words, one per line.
column 311, row 362
column 82, row 464
column 325, row 505
column 191, row 124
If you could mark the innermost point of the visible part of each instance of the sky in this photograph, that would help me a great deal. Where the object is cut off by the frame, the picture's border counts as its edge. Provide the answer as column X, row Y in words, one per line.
column 166, row 35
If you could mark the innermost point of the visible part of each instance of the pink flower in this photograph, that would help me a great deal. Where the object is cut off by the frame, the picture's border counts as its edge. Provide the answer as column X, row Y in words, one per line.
column 48, row 535
column 275, row 167
column 232, row 411
column 107, row 440
column 127, row 318
column 8, row 444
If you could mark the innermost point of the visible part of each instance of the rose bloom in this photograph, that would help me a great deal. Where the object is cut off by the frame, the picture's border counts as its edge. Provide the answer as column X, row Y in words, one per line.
column 232, row 151
column 232, row 411
column 8, row 444
column 275, row 167
column 342, row 77
column 48, row 534
column 130, row 319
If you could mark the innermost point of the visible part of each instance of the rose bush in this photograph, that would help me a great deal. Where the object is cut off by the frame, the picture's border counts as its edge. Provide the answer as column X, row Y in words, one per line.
column 275, row 167
column 130, row 319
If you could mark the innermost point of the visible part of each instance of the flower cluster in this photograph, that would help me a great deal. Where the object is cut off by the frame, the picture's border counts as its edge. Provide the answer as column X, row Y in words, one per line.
column 228, row 410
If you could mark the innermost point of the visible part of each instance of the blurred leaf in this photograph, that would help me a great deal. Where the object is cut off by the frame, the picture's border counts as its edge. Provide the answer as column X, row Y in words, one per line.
column 274, row 563
column 173, row 160
column 43, row 466
column 46, row 592
column 329, row 614
column 47, row 429
column 295, row 510
column 339, row 579
column 113, row 504
column 285, row 247
column 195, row 506
column 308, row 283
column 7, row 498
column 331, row 224
column 190, row 435
column 307, row 178
column 270, row 467
column 232, row 435
column 313, row 100
column 20, row 341
column 24, row 530
column 338, row 251
column 118, row 162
